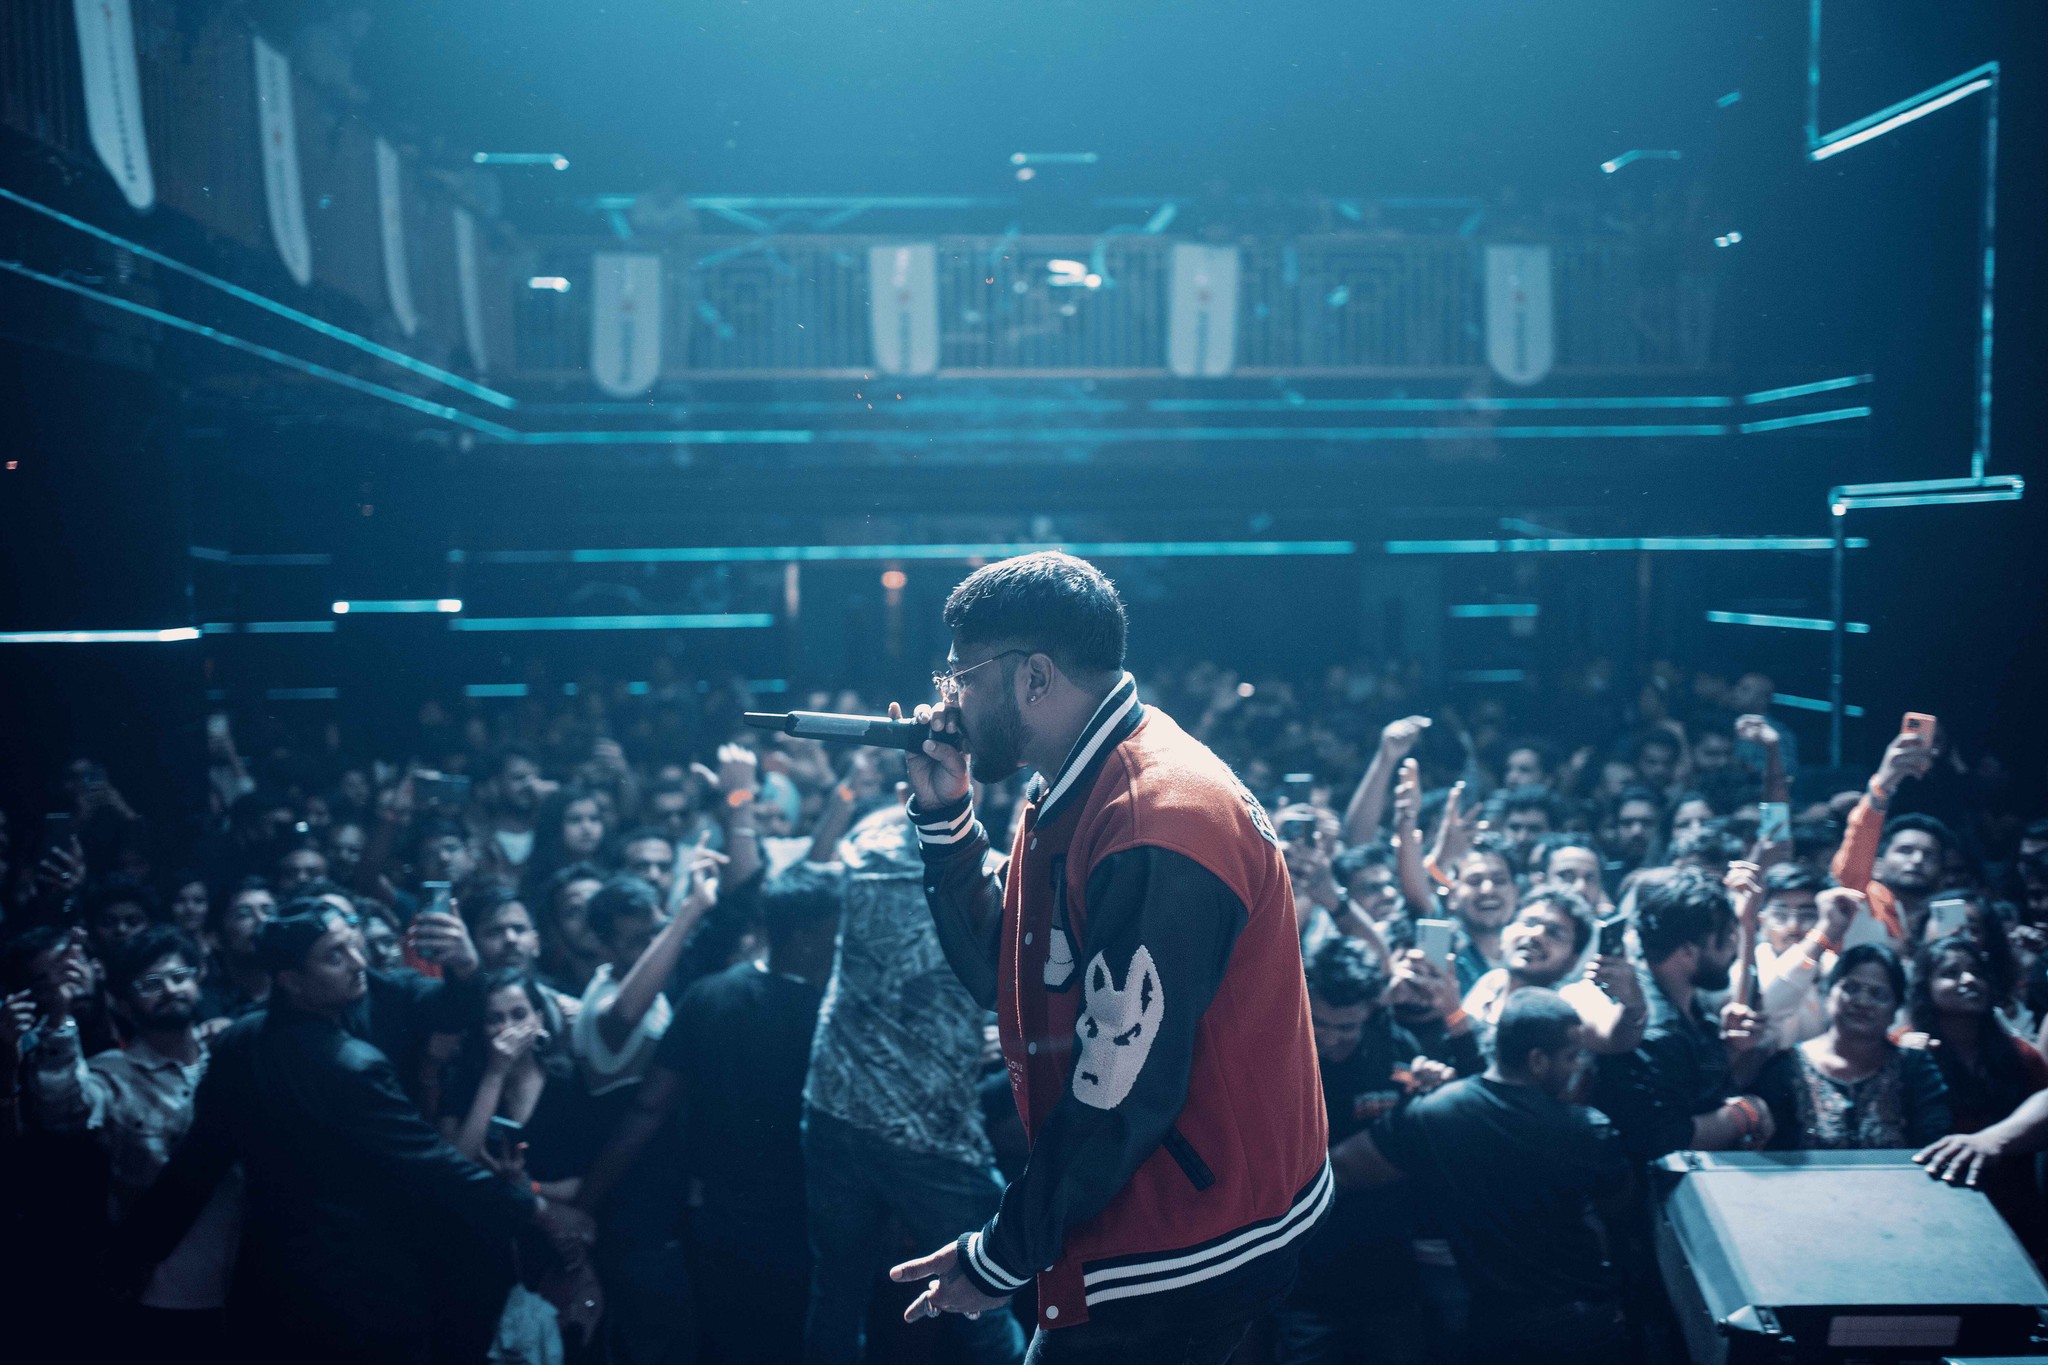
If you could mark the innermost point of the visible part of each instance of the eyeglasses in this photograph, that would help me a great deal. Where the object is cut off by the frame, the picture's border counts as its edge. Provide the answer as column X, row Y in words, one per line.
column 158, row 982
column 948, row 682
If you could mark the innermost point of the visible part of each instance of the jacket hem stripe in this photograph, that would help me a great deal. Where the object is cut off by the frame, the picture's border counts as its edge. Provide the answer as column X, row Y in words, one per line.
column 1307, row 1206
column 1303, row 1220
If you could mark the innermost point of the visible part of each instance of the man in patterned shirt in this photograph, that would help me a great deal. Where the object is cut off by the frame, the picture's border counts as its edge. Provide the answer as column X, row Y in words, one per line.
column 892, row 1119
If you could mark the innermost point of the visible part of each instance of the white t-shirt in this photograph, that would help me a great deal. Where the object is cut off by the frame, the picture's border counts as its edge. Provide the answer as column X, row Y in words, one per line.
column 604, row 1067
column 517, row 847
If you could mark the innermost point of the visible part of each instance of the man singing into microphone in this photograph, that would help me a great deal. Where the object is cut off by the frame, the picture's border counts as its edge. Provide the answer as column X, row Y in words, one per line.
column 1142, row 960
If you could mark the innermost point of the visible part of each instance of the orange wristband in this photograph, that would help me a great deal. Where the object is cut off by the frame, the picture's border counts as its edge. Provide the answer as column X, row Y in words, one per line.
column 739, row 798
column 1455, row 1018
column 844, row 793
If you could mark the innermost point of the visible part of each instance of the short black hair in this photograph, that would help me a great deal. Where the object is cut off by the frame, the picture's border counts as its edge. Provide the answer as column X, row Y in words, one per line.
column 640, row 834
column 1557, row 842
column 217, row 908
column 438, row 828
column 502, row 757
column 1343, row 972
column 1532, row 1020
column 1639, row 792
column 1862, row 954
column 480, row 901
column 19, row 951
column 1357, row 858
column 1052, row 601
column 1512, row 799
column 1926, row 824
column 1676, row 906
column 803, row 896
column 1489, row 844
column 564, row 876
column 1791, row 877
column 620, row 898
column 120, row 891
column 1575, row 908
column 130, row 960
column 1663, row 739
column 1714, row 842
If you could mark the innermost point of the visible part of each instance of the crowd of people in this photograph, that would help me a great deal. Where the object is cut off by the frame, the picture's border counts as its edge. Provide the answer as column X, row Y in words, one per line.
column 612, row 1031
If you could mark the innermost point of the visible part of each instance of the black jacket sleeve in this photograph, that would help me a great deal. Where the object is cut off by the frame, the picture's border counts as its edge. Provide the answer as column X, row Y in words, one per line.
column 371, row 1115
column 1160, row 932
column 1653, row 1093
column 965, row 897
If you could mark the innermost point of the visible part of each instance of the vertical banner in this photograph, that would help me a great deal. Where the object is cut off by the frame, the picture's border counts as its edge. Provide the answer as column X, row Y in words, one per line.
column 903, row 307
column 391, row 226
column 469, row 291
column 1520, row 329
column 625, row 321
column 280, row 136
column 1201, row 321
column 113, row 96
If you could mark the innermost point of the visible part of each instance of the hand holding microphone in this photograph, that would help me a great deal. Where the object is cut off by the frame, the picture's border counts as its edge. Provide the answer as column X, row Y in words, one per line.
column 938, row 771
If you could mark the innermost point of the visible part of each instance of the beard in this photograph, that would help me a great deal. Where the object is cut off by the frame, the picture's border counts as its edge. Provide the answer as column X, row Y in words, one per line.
column 995, row 743
column 172, row 1014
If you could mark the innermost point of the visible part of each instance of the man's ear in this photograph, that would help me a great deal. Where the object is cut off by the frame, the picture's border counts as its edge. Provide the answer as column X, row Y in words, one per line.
column 1039, row 672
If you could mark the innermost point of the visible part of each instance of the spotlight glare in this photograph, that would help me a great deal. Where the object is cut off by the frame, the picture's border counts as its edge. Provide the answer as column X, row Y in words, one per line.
column 341, row 608
column 555, row 282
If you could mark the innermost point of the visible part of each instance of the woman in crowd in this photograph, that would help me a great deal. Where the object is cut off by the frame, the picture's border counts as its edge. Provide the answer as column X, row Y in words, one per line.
column 572, row 828
column 1952, row 1010
column 515, row 1066
column 1853, row 1087
column 1989, row 1070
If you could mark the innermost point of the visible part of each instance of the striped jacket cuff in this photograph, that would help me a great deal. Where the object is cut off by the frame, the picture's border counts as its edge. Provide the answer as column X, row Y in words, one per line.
column 983, row 1273
column 940, row 831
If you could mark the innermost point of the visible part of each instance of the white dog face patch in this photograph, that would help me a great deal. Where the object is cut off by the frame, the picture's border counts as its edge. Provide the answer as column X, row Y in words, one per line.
column 1116, row 1029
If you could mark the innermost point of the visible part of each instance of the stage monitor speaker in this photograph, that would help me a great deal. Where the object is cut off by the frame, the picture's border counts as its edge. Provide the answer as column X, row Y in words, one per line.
column 1798, row 1257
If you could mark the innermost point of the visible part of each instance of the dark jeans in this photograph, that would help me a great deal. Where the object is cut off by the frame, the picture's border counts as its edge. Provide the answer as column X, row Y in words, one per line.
column 1140, row 1339
column 1319, row 1336
column 855, row 1183
column 752, row 1275
column 1590, row 1332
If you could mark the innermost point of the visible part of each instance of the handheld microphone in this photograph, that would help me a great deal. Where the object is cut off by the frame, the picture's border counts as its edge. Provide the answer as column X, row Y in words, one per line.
column 877, row 731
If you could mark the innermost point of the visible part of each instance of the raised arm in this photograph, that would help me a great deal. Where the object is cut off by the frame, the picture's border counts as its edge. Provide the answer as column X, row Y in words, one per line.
column 1416, row 888
column 1905, row 757
column 645, row 978
column 1369, row 801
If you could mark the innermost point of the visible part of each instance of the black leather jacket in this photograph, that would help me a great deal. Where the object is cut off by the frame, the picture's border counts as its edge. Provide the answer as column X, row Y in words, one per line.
column 352, row 1199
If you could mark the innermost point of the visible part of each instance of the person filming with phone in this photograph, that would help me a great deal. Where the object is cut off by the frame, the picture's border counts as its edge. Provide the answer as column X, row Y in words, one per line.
column 1142, row 959
column 1895, row 861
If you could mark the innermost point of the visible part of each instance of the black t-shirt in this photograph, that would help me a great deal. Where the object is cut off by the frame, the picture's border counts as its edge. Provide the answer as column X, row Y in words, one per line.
column 1510, row 1173
column 1360, row 1258
column 741, row 1042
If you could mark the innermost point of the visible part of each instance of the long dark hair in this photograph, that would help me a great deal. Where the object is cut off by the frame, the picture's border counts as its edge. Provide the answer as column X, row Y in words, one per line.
column 550, row 854
column 1999, row 1075
column 552, row 1052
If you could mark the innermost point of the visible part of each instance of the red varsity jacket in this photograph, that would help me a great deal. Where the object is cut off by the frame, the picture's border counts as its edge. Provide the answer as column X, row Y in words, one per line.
column 1142, row 959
